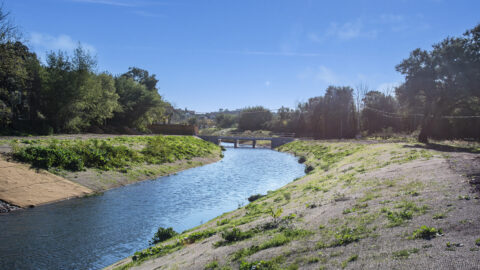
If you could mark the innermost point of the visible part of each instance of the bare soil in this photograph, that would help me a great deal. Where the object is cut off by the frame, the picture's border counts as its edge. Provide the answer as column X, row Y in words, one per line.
column 442, row 188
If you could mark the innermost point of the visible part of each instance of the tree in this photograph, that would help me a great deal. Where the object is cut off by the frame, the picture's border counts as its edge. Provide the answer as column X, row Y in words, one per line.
column 8, row 31
column 444, row 81
column 143, row 77
column 254, row 118
column 334, row 114
column 19, row 79
column 225, row 120
column 74, row 97
column 141, row 105
column 372, row 119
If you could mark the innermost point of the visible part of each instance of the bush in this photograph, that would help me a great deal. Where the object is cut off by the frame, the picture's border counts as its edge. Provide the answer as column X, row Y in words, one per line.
column 302, row 159
column 50, row 156
column 163, row 234
column 255, row 197
column 236, row 235
column 309, row 168
column 426, row 232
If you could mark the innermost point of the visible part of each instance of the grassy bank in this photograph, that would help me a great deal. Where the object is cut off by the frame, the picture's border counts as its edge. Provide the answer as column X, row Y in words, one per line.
column 365, row 205
column 103, row 163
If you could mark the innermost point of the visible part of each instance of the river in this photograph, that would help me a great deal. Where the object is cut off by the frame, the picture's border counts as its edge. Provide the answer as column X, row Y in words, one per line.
column 93, row 232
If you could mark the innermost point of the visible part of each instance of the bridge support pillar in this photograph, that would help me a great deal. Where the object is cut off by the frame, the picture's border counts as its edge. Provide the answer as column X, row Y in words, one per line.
column 254, row 143
column 235, row 144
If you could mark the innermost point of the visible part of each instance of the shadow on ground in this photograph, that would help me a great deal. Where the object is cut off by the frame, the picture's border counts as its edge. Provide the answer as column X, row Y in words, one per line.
column 444, row 148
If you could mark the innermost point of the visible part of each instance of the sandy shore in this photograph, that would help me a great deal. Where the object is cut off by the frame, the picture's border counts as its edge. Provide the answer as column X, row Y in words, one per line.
column 23, row 186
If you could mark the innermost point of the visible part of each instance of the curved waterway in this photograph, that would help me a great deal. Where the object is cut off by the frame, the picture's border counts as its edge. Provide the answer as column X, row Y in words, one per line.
column 93, row 232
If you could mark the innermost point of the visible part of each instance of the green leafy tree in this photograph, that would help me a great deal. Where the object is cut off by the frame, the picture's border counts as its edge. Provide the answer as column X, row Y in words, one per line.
column 74, row 97
column 254, row 118
column 141, row 105
column 225, row 120
column 444, row 81
column 19, row 82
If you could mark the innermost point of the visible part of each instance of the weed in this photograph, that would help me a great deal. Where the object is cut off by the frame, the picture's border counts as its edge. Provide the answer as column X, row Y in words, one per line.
column 156, row 251
column 439, row 216
column 234, row 235
column 405, row 253
column 213, row 265
column 425, row 232
column 350, row 259
column 280, row 239
column 397, row 218
column 368, row 196
column 275, row 214
column 338, row 197
column 193, row 237
column 477, row 242
column 223, row 222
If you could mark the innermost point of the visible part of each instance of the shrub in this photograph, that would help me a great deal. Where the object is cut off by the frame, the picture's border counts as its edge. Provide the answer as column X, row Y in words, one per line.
column 302, row 159
column 234, row 235
column 426, row 232
column 309, row 168
column 163, row 234
column 46, row 157
column 255, row 197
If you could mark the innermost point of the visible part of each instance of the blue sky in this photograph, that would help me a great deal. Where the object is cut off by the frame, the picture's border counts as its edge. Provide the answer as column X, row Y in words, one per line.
column 231, row 54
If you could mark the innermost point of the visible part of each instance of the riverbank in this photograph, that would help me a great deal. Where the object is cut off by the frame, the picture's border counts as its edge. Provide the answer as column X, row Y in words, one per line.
column 101, row 163
column 363, row 205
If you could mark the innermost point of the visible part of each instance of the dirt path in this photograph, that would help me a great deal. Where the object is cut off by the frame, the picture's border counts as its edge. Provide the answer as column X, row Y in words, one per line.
column 24, row 187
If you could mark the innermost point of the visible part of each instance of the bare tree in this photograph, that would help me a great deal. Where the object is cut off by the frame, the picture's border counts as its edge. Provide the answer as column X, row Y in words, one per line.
column 8, row 31
column 361, row 90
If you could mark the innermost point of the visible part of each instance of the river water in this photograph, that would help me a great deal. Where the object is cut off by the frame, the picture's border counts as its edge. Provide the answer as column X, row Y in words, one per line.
column 93, row 232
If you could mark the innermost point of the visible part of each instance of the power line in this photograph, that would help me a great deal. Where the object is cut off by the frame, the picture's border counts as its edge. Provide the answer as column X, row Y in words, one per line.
column 397, row 115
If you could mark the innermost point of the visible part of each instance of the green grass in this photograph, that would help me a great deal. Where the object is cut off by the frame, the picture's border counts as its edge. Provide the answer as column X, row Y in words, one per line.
column 405, row 253
column 349, row 259
column 119, row 153
column 279, row 239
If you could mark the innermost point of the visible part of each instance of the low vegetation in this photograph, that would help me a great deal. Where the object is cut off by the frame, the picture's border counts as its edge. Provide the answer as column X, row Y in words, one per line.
column 337, row 216
column 119, row 153
column 163, row 234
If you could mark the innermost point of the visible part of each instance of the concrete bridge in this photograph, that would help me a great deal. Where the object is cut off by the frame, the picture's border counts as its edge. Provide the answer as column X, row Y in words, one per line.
column 274, row 141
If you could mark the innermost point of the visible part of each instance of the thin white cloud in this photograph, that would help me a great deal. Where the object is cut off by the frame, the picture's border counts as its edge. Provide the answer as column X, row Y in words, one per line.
column 273, row 53
column 148, row 14
column 315, row 38
column 108, row 2
column 391, row 18
column 322, row 74
column 326, row 75
column 44, row 42
column 350, row 30
column 388, row 88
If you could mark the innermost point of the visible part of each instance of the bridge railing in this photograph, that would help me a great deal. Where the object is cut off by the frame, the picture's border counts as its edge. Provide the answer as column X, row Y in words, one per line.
column 243, row 134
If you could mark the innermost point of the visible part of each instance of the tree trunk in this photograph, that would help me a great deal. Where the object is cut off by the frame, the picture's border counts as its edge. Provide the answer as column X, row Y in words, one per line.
column 425, row 129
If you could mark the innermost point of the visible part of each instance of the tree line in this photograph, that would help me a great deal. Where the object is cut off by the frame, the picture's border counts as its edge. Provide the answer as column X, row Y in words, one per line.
column 68, row 94
column 440, row 98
